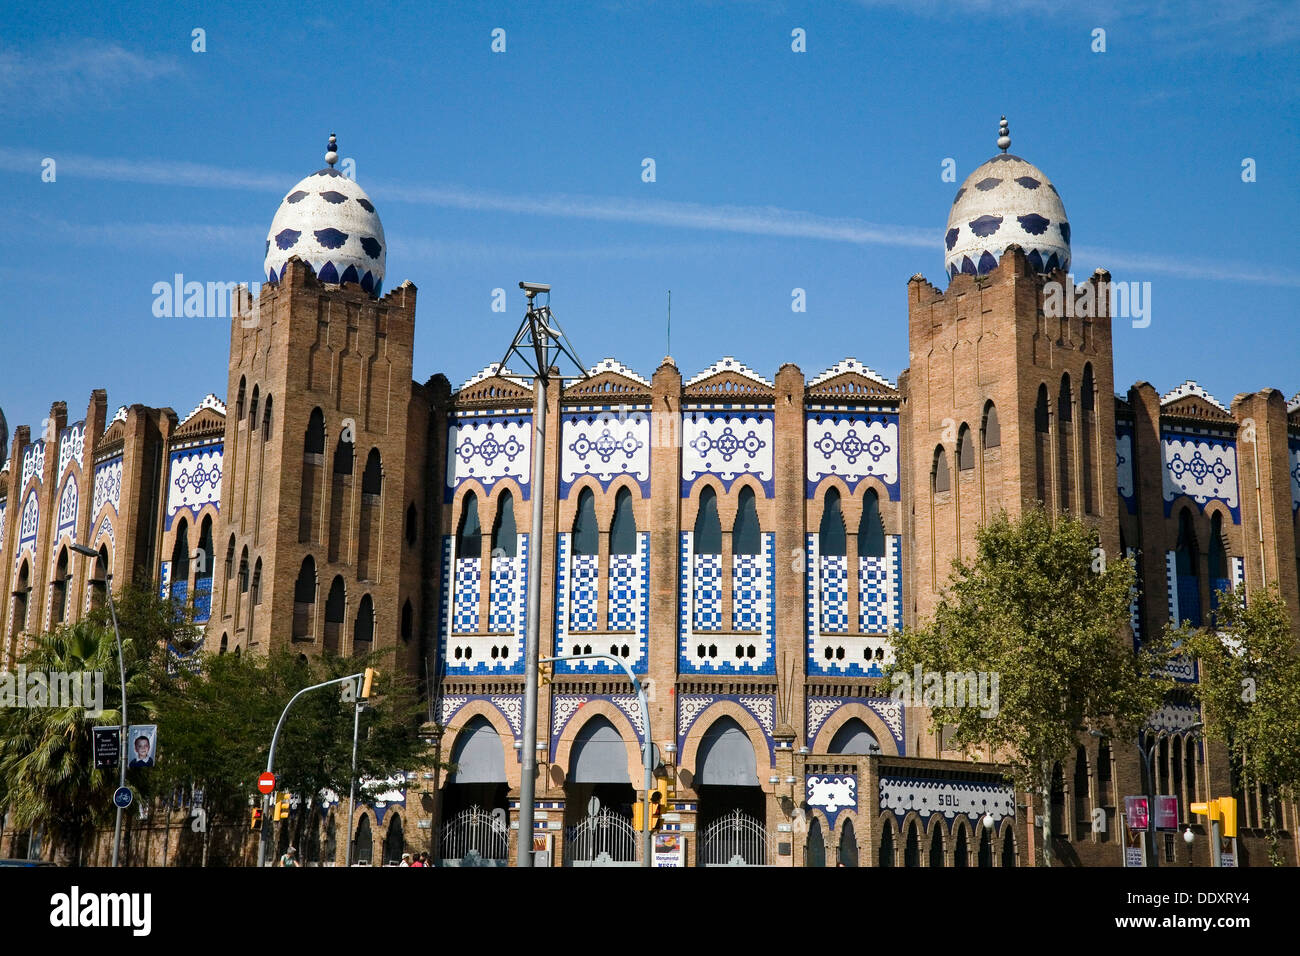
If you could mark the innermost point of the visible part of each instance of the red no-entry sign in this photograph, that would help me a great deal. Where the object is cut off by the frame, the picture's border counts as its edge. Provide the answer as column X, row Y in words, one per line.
column 266, row 782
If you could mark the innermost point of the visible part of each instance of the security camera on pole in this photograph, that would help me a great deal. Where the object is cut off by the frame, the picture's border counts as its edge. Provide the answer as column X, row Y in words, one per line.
column 539, row 344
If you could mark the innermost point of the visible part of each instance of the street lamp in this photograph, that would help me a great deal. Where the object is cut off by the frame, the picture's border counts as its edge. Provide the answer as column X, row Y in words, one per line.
column 121, row 671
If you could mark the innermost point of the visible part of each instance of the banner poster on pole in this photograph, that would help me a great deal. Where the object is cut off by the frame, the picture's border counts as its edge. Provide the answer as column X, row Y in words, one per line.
column 107, row 745
column 142, row 745
column 670, row 850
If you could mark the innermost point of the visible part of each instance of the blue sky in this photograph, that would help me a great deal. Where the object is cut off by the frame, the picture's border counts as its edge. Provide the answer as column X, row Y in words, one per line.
column 775, row 170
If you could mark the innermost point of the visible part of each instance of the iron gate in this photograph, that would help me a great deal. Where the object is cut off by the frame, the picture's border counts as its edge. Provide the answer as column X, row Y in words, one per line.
column 475, row 838
column 606, row 839
column 734, row 840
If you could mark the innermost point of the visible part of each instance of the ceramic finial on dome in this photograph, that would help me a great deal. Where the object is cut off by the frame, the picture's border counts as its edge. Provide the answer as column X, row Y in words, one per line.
column 1004, row 136
column 332, row 151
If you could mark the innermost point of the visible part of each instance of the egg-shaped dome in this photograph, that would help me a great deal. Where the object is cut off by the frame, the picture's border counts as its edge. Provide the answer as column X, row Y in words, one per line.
column 1007, row 200
column 328, row 221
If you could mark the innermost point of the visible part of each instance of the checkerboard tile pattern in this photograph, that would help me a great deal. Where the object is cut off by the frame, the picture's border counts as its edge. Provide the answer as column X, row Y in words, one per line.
column 468, row 578
column 708, row 592
column 835, row 594
column 624, row 592
column 584, row 593
column 748, row 592
column 880, row 594
column 502, row 616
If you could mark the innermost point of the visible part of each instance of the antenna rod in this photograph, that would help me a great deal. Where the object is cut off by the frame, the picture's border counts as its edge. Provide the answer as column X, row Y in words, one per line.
column 670, row 323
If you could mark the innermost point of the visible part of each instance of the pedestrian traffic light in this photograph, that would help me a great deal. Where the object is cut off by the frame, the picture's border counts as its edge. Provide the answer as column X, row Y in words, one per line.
column 1228, row 813
column 367, row 681
column 281, row 811
column 256, row 821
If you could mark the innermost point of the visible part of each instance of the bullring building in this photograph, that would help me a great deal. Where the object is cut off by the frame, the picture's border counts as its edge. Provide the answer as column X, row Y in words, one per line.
column 746, row 540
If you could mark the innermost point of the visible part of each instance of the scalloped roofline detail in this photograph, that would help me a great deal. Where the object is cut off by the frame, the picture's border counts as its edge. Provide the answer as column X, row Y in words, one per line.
column 847, row 365
column 495, row 370
column 209, row 401
column 729, row 364
column 1294, row 403
column 1188, row 389
column 118, row 416
column 618, row 368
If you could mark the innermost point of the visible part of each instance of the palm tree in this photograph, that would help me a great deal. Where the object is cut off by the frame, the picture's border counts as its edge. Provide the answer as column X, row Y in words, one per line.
column 46, row 759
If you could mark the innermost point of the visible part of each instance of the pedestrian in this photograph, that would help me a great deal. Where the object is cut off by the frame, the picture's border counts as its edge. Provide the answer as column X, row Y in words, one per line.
column 406, row 860
column 424, row 859
column 290, row 857
column 417, row 860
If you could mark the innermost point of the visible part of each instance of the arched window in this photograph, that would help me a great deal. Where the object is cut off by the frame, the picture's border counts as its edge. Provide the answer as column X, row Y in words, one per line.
column 203, row 573
column 243, row 571
column 586, row 534
column 992, row 430
column 814, row 848
column 252, row 410
column 343, row 453
column 746, row 534
column 965, row 449
column 372, row 480
column 985, row 847
column 99, row 578
column 936, row 848
column 1009, row 848
column 940, row 479
column 1218, row 561
column 59, row 606
column 180, row 564
column 505, row 537
column 239, row 401
column 622, row 530
column 1042, row 425
column 1088, row 440
column 848, row 855
column 1042, row 418
column 854, row 737
column 871, row 528
column 266, row 420
column 960, row 850
column 469, row 535
column 1058, row 801
column 1065, row 401
column 708, row 528
column 395, row 842
column 912, row 848
column 363, row 843
column 886, row 845
column 1064, row 440
column 314, row 441
column 334, row 608
column 363, row 632
column 1082, row 805
column 304, row 599
column 1187, row 564
column 255, row 597
column 831, row 535
column 408, row 622
column 225, row 641
column 1104, row 796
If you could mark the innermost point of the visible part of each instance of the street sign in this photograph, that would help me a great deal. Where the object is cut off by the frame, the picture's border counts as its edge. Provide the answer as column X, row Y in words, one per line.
column 122, row 797
column 266, row 782
column 107, row 746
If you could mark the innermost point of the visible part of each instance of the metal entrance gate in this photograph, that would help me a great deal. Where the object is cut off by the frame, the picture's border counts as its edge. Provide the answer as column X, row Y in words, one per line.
column 475, row 838
column 606, row 839
column 734, row 840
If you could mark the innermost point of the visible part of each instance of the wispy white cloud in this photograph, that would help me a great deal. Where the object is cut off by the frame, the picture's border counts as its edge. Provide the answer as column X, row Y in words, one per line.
column 74, row 72
column 768, row 221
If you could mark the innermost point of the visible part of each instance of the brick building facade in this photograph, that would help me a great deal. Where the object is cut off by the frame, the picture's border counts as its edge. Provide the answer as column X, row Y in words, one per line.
column 745, row 544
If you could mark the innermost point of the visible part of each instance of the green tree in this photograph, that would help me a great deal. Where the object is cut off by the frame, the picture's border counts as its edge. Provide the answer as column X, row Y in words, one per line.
column 1250, row 691
column 1043, row 612
column 220, row 717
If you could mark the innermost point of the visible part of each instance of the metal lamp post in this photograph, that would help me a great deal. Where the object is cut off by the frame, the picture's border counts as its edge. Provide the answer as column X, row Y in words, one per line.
column 538, row 343
column 121, row 671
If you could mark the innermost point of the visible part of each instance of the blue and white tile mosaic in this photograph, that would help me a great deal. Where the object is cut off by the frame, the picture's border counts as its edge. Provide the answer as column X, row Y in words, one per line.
column 488, row 448
column 949, row 798
column 1202, row 467
column 194, row 480
column 832, row 648
column 831, row 793
column 72, row 444
column 468, row 647
column 705, row 646
column 854, row 446
column 727, row 444
column 605, row 443
column 578, row 627
column 889, row 710
column 1124, row 465
column 108, row 485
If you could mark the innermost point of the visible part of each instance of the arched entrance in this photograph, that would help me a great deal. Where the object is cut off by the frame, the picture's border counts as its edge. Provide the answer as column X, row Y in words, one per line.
column 733, row 807
column 394, row 842
column 599, row 797
column 476, row 820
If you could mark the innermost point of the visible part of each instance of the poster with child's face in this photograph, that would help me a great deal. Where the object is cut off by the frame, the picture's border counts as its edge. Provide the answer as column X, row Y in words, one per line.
column 142, row 745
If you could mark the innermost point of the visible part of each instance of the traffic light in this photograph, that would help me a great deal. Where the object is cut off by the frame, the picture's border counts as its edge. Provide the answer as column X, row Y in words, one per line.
column 1228, row 813
column 1209, row 810
column 637, row 808
column 367, row 681
column 256, row 821
column 658, row 804
column 281, row 811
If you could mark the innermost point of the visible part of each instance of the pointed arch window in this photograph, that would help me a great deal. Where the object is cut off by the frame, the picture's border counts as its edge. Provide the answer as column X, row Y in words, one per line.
column 622, row 530
column 252, row 409
column 965, row 449
column 871, row 528
column 363, row 632
column 746, row 534
column 586, row 533
column 314, row 440
column 708, row 528
column 469, row 536
column 940, row 478
column 1217, row 561
column 505, row 536
column 992, row 430
column 372, row 480
column 334, row 609
column 59, row 606
column 343, row 457
column 831, row 536
column 1187, row 564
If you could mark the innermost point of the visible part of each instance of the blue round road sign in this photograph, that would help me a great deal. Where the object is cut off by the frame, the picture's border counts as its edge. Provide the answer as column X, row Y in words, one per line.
column 122, row 797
